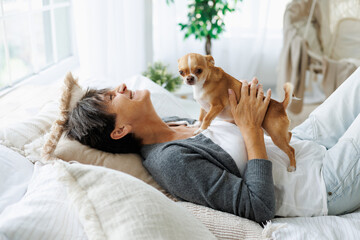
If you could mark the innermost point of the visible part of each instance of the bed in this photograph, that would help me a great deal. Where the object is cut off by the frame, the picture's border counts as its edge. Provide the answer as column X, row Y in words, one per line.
column 81, row 193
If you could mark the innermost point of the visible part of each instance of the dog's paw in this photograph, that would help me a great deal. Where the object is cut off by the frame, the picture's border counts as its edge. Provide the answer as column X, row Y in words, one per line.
column 199, row 130
column 291, row 169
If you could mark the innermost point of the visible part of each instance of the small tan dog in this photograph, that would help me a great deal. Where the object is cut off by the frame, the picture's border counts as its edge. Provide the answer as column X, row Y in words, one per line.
column 210, row 86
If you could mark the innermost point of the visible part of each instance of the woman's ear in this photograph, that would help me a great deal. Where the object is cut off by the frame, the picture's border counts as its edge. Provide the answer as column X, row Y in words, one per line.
column 120, row 132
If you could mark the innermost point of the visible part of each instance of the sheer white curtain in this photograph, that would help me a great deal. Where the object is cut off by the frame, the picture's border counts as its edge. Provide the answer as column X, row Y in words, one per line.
column 113, row 37
column 118, row 38
column 250, row 46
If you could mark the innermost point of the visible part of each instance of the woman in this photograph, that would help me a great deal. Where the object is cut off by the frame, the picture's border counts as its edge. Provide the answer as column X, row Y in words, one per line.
column 235, row 168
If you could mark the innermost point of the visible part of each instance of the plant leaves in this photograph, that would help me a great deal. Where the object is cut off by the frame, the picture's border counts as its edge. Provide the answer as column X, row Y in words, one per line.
column 159, row 74
column 203, row 17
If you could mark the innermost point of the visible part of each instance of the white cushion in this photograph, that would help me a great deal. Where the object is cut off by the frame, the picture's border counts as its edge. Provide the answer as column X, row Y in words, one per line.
column 24, row 132
column 44, row 212
column 15, row 174
column 115, row 205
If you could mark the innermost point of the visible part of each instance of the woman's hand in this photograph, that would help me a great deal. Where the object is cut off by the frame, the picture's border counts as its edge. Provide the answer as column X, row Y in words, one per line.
column 250, row 111
column 249, row 114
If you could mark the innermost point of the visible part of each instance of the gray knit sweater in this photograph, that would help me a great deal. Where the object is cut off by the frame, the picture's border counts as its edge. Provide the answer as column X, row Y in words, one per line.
column 199, row 171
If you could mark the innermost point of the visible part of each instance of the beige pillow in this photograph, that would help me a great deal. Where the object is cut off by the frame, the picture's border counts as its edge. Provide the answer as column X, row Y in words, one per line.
column 114, row 205
column 72, row 150
column 71, row 94
column 58, row 146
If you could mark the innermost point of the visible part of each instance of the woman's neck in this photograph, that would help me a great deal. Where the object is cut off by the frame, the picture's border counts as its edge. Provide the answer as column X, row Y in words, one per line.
column 154, row 130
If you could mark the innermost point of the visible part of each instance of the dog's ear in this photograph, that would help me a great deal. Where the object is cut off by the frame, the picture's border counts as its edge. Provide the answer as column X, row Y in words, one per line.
column 210, row 60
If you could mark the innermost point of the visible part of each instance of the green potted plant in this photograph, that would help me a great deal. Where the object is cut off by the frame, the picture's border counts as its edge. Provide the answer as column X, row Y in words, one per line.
column 206, row 19
column 159, row 74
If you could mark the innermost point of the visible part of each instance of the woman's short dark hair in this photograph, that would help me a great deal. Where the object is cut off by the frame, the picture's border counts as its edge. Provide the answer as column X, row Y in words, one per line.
column 91, row 124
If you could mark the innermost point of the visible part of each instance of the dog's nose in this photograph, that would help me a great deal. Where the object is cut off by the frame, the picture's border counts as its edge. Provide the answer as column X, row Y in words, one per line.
column 190, row 80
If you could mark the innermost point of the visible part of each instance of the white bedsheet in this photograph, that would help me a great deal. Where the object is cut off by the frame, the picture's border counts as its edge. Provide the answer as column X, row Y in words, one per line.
column 320, row 228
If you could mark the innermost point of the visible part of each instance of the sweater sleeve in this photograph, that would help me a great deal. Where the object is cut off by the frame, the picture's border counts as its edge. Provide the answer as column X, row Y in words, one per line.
column 191, row 177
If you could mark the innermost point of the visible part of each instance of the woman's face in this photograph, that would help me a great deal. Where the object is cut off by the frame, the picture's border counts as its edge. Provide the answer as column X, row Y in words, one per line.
column 128, row 105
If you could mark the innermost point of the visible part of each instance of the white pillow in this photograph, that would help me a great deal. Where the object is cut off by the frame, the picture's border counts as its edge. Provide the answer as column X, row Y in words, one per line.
column 115, row 205
column 165, row 103
column 18, row 134
column 15, row 174
column 44, row 212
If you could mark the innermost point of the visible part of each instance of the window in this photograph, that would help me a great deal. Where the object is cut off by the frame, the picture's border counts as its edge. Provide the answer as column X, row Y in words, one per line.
column 34, row 35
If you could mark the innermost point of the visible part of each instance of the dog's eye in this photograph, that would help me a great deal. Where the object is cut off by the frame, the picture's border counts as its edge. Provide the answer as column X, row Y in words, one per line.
column 181, row 72
column 198, row 71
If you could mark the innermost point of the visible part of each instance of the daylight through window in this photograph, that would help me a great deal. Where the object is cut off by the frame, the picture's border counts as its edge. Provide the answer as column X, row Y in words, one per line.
column 34, row 34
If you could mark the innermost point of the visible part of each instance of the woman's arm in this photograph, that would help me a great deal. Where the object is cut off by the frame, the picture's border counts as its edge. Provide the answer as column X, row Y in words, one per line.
column 249, row 114
column 192, row 174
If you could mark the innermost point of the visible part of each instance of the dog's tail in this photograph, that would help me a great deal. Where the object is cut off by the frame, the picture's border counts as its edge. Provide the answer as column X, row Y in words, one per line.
column 289, row 89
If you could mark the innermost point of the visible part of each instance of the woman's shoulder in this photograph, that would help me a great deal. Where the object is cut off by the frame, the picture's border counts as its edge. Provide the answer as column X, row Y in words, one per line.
column 168, row 148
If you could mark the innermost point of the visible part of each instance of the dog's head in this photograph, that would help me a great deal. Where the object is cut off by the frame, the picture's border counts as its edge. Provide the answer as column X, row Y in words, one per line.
column 195, row 67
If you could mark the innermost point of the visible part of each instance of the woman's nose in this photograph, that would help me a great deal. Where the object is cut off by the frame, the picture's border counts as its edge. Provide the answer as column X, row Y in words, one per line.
column 120, row 89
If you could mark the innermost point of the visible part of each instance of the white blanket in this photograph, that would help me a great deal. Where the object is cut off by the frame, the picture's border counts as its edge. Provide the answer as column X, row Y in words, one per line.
column 327, row 227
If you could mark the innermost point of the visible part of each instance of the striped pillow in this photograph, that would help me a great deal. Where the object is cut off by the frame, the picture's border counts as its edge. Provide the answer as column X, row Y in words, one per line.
column 44, row 212
column 115, row 205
